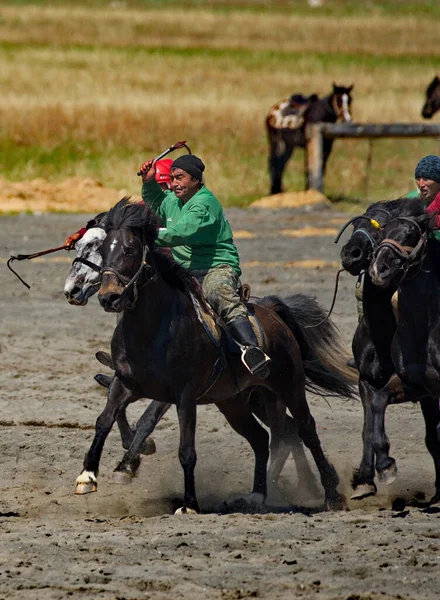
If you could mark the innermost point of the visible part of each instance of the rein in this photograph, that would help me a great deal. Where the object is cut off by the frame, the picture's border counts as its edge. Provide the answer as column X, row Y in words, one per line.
column 333, row 303
column 30, row 257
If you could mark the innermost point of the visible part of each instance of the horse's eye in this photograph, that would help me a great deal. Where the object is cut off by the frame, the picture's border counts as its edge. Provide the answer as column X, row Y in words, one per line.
column 128, row 251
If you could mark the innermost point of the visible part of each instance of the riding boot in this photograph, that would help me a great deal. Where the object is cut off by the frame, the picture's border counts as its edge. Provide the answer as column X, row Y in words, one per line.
column 254, row 359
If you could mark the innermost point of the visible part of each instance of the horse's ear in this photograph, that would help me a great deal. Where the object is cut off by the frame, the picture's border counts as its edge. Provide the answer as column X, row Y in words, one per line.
column 313, row 98
column 350, row 88
column 334, row 85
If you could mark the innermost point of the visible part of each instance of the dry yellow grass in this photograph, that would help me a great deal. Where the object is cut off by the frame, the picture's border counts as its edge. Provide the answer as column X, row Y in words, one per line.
column 100, row 91
column 196, row 28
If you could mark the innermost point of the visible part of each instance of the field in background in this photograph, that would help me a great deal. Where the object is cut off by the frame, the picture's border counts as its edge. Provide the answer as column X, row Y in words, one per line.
column 94, row 90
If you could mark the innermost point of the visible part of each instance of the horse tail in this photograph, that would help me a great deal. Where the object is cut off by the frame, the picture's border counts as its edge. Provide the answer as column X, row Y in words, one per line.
column 323, row 351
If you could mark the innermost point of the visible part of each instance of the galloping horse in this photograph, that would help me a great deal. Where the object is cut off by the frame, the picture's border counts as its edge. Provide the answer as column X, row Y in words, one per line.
column 432, row 103
column 286, row 126
column 84, row 280
column 161, row 350
column 403, row 259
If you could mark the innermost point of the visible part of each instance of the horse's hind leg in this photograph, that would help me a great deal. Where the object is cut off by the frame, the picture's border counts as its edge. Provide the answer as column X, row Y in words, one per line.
column 239, row 416
column 431, row 414
column 130, row 462
column 118, row 397
column 284, row 439
column 363, row 478
column 307, row 430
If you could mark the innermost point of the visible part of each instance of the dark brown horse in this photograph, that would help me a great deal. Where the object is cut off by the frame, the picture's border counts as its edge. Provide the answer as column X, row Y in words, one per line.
column 161, row 350
column 286, row 126
column 432, row 103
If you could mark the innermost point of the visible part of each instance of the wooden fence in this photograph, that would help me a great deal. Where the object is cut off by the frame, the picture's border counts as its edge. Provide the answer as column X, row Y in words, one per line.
column 316, row 133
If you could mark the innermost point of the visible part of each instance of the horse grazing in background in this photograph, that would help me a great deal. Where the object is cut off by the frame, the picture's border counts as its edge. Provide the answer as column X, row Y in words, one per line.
column 161, row 350
column 432, row 103
column 286, row 125
column 403, row 259
column 374, row 337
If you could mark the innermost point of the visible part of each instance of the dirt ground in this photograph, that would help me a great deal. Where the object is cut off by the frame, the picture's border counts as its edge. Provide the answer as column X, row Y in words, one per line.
column 123, row 543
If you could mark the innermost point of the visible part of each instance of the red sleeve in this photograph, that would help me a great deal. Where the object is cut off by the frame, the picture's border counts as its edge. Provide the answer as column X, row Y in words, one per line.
column 435, row 207
column 82, row 231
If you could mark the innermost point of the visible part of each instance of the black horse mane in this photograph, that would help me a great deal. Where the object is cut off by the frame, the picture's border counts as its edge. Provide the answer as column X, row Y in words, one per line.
column 142, row 220
column 402, row 207
column 138, row 217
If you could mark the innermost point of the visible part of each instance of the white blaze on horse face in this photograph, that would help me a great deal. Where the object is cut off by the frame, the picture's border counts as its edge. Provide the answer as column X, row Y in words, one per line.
column 113, row 245
column 83, row 281
column 345, row 109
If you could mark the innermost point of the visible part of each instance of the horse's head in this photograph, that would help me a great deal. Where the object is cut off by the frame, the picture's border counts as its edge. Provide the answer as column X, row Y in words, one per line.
column 432, row 103
column 402, row 247
column 341, row 102
column 127, row 254
column 357, row 252
column 85, row 273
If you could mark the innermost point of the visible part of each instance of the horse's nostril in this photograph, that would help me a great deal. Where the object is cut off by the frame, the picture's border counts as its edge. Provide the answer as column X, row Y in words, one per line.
column 356, row 254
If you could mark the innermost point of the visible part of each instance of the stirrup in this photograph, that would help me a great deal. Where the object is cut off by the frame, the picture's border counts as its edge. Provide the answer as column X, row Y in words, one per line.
column 255, row 361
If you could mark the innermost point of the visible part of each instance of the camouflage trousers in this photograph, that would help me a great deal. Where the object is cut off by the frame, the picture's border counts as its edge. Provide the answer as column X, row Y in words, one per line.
column 220, row 286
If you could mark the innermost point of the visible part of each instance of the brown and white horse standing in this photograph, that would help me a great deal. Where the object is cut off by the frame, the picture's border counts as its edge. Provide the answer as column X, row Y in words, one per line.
column 286, row 124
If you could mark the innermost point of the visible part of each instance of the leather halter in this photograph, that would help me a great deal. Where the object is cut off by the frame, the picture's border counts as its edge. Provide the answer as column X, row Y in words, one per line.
column 132, row 283
column 409, row 254
column 88, row 263
column 361, row 229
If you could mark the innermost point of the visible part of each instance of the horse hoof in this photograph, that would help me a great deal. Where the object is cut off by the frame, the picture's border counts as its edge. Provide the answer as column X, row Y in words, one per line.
column 185, row 511
column 86, row 483
column 149, row 447
column 336, row 503
column 388, row 475
column 122, row 477
column 363, row 491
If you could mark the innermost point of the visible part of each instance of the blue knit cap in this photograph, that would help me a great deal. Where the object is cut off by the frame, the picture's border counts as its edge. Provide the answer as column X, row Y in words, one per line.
column 428, row 168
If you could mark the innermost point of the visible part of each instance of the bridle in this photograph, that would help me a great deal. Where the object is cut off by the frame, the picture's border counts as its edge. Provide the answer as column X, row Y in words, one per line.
column 362, row 230
column 333, row 106
column 410, row 255
column 145, row 268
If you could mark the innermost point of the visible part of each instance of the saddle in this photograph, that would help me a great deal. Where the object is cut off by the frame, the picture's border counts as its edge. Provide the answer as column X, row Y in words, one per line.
column 216, row 328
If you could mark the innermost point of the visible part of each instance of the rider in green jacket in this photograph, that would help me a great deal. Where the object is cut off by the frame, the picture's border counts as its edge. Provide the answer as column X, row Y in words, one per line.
column 200, row 237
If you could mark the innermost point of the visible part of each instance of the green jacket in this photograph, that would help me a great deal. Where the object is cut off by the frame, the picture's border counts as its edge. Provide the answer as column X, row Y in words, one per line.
column 197, row 232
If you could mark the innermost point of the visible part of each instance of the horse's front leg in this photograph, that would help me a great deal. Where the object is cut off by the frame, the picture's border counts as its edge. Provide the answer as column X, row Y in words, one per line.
column 187, row 415
column 431, row 414
column 129, row 465
column 118, row 398
column 363, row 478
column 385, row 465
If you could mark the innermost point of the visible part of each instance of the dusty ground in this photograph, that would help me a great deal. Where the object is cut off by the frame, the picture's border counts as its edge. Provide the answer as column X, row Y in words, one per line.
column 123, row 543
